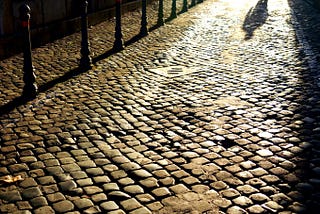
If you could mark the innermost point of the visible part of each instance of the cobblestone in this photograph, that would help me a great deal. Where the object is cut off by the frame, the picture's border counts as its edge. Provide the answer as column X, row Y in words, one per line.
column 217, row 111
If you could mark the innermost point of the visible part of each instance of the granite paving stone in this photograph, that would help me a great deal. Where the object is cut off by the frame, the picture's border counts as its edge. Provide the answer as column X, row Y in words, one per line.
column 214, row 112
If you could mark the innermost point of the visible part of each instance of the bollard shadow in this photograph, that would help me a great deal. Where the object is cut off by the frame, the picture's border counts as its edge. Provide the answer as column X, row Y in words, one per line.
column 255, row 18
column 22, row 100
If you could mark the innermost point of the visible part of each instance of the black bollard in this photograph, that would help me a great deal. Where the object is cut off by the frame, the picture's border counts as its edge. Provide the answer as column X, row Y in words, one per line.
column 185, row 6
column 173, row 10
column 85, row 61
column 118, row 43
column 160, row 21
column 144, row 19
column 30, row 88
column 193, row 3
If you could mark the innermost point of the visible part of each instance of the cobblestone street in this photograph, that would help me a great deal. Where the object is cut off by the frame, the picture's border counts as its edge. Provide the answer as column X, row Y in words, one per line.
column 217, row 111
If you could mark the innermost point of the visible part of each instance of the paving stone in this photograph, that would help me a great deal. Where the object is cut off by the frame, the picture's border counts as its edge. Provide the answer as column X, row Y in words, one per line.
column 230, row 193
column 95, row 171
column 39, row 202
column 118, row 195
column 264, row 153
column 236, row 210
column 84, row 182
column 119, row 211
column 130, row 204
column 126, row 181
column 91, row 210
column 63, row 206
column 11, row 196
column 142, row 173
column 218, row 185
column 111, row 187
column 67, row 185
column 91, row 190
column 281, row 198
column 161, row 192
column 46, row 180
column 18, row 168
column 256, row 209
column 243, row 201
column 83, row 203
column 31, row 192
column 150, row 182
column 109, row 205
column 55, row 197
column 142, row 210
column 222, row 203
column 24, row 205
column 44, row 209
column 133, row 189
column 8, row 208
column 272, row 206
column 145, row 198
column 155, row 206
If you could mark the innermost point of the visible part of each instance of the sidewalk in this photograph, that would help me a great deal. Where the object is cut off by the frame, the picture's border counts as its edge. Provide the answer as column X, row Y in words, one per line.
column 55, row 60
column 215, row 112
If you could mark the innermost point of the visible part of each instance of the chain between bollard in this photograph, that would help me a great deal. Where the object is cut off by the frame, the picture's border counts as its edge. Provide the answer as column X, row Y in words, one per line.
column 30, row 89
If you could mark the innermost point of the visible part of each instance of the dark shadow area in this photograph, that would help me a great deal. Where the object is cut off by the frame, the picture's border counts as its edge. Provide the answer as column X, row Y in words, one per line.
column 305, row 19
column 255, row 18
column 21, row 100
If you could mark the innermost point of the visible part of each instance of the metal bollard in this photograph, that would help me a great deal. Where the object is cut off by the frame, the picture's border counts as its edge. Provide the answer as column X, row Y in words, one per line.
column 85, row 61
column 173, row 10
column 185, row 6
column 160, row 21
column 118, row 43
column 30, row 88
column 193, row 3
column 144, row 22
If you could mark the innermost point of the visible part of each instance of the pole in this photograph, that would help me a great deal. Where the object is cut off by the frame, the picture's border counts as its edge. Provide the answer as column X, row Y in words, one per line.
column 144, row 19
column 85, row 61
column 185, row 6
column 160, row 21
column 118, row 43
column 193, row 3
column 173, row 10
column 30, row 88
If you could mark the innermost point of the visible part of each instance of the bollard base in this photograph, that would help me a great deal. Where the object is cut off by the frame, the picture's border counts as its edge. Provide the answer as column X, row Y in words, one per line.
column 86, row 63
column 30, row 91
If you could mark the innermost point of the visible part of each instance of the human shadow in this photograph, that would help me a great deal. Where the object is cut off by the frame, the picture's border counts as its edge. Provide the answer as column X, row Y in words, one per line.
column 255, row 18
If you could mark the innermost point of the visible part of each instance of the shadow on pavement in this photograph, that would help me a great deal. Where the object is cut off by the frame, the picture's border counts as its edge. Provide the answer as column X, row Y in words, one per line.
column 255, row 17
column 305, row 20
column 21, row 100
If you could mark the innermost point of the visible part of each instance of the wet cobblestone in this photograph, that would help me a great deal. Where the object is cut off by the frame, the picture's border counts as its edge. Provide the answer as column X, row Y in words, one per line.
column 236, row 134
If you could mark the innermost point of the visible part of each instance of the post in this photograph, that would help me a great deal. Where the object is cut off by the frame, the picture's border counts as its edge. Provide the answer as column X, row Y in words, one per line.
column 193, row 3
column 30, row 88
column 144, row 22
column 118, row 43
column 185, row 6
column 173, row 10
column 85, row 61
column 160, row 21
